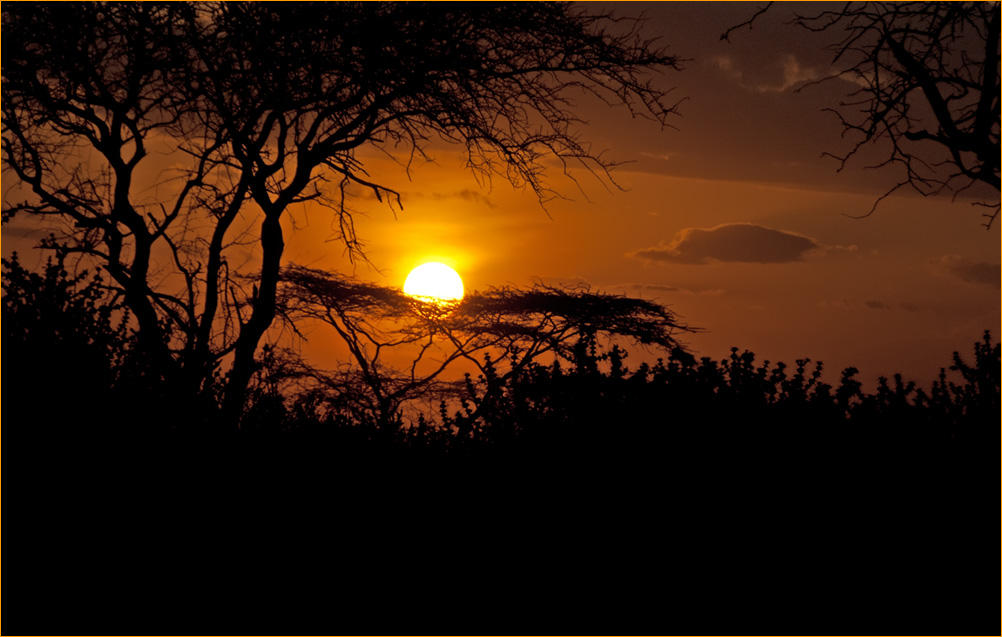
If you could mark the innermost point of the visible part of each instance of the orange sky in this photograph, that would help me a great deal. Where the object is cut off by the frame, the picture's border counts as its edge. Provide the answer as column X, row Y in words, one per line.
column 897, row 291
column 884, row 294
column 733, row 220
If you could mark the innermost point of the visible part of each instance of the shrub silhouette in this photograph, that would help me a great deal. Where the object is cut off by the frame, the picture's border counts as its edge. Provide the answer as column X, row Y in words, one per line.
column 65, row 350
column 733, row 405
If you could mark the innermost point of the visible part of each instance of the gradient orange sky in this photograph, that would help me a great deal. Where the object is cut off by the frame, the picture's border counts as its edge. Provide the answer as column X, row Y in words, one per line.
column 734, row 220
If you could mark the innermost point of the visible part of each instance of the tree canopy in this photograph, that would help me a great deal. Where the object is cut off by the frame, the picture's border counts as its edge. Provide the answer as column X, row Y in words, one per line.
column 263, row 106
column 514, row 328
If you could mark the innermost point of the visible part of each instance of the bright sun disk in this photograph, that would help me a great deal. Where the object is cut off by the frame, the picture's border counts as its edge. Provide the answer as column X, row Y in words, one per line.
column 435, row 281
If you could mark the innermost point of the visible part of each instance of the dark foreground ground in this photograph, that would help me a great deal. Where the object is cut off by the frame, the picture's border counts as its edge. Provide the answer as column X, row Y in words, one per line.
column 271, row 533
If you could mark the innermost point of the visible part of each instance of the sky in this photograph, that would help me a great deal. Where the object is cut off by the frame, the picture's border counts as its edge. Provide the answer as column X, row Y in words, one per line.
column 732, row 218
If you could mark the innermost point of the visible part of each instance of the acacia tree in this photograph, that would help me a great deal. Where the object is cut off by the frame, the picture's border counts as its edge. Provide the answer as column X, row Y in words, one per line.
column 512, row 327
column 928, row 96
column 376, row 323
column 260, row 107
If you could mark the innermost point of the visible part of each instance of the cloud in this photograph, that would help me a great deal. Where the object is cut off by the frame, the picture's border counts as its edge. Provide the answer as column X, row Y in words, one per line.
column 725, row 63
column 872, row 304
column 466, row 195
column 655, row 287
column 732, row 242
column 793, row 73
column 973, row 272
column 658, row 287
column 23, row 231
column 661, row 156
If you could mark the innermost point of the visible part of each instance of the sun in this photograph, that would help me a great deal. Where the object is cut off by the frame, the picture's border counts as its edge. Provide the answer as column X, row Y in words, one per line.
column 435, row 282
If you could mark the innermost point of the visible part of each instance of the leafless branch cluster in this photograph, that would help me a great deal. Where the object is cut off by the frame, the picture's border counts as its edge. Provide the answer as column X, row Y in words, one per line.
column 929, row 89
column 928, row 96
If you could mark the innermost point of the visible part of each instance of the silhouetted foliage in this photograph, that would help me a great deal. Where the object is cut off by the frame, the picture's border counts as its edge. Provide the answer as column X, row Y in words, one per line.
column 69, row 336
column 75, row 362
column 516, row 326
column 732, row 404
column 259, row 107
column 587, row 397
column 62, row 337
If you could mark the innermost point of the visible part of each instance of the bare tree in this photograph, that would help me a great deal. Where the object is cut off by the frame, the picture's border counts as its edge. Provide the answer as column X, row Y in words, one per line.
column 928, row 96
column 514, row 327
column 264, row 106
column 84, row 88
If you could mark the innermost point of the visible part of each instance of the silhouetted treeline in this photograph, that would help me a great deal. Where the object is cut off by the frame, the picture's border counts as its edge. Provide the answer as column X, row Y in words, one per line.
column 69, row 362
column 597, row 403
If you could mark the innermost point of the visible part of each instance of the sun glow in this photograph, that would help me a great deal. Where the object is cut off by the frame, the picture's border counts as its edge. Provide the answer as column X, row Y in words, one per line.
column 434, row 282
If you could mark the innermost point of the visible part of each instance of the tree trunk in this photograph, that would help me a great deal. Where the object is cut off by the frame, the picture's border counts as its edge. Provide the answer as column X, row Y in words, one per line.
column 273, row 245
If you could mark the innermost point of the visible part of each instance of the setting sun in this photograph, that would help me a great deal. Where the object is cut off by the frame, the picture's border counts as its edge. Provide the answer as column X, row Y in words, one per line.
column 435, row 281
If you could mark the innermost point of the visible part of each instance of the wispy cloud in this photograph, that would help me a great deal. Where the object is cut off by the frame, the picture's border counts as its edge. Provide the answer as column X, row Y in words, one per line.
column 794, row 73
column 11, row 230
column 465, row 195
column 661, row 156
column 726, row 64
column 973, row 272
column 869, row 304
column 662, row 288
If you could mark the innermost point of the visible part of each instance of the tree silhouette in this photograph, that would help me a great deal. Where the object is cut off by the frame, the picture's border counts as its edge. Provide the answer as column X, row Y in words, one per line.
column 254, row 108
column 928, row 96
column 512, row 327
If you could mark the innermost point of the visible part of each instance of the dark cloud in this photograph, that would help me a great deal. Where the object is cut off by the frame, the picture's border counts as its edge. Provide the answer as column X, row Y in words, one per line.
column 733, row 242
column 658, row 287
column 975, row 272
column 846, row 304
column 466, row 195
column 23, row 232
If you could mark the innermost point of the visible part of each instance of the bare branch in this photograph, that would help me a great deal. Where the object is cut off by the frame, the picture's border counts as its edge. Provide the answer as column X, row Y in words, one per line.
column 928, row 96
column 747, row 23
